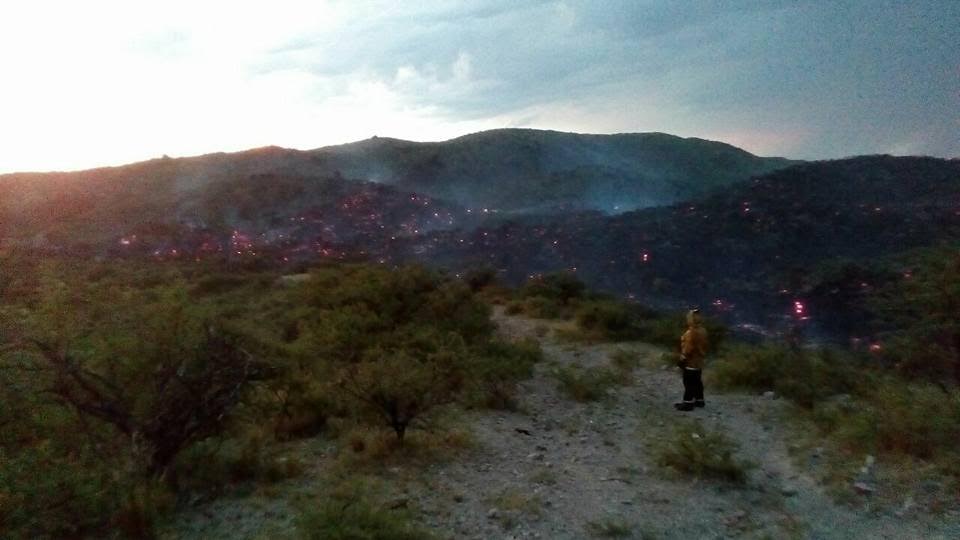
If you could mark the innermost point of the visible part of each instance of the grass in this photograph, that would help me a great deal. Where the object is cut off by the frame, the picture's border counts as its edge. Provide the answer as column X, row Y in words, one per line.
column 351, row 512
column 587, row 384
column 610, row 528
column 544, row 476
column 696, row 452
column 513, row 503
column 806, row 377
column 624, row 360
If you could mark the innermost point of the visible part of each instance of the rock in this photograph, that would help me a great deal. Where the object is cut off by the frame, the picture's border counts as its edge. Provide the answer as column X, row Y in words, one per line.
column 536, row 456
column 863, row 488
column 398, row 503
column 458, row 498
column 492, row 513
column 788, row 491
column 770, row 394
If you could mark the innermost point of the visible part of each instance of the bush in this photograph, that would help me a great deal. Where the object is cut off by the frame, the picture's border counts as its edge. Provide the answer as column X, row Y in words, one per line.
column 695, row 451
column 213, row 464
column 807, row 377
column 910, row 419
column 624, row 360
column 562, row 287
column 606, row 320
column 351, row 514
column 610, row 528
column 498, row 368
column 543, row 308
column 586, row 384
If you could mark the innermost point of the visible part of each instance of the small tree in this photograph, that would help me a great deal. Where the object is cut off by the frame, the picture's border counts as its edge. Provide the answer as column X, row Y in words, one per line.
column 156, row 373
column 400, row 386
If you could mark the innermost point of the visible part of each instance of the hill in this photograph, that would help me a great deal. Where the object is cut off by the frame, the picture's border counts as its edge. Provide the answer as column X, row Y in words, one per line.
column 750, row 249
column 530, row 170
column 504, row 170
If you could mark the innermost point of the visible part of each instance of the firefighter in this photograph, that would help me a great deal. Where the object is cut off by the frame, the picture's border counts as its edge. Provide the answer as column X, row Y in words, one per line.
column 693, row 350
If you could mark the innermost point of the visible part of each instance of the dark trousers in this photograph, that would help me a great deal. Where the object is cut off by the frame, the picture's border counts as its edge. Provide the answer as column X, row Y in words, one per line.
column 692, row 385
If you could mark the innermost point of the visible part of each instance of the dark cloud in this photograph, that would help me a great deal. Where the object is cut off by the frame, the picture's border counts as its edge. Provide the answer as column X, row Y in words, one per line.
column 819, row 79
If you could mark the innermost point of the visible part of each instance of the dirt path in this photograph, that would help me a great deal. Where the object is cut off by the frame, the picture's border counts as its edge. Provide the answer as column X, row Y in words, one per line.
column 592, row 463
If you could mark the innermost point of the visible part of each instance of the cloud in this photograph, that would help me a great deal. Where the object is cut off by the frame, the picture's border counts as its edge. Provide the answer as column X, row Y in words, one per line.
column 108, row 81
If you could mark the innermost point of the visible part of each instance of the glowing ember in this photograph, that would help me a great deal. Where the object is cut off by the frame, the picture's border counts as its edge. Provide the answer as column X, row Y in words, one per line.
column 875, row 347
column 799, row 308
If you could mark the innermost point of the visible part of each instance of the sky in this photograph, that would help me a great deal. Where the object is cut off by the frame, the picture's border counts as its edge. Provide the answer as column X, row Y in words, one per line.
column 94, row 83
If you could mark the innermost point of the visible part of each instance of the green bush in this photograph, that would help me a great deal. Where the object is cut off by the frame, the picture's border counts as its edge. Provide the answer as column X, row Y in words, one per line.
column 695, row 451
column 498, row 368
column 562, row 287
column 514, row 307
column 807, row 377
column 351, row 514
column 587, row 384
column 624, row 360
column 610, row 528
column 543, row 308
column 911, row 419
column 216, row 463
column 606, row 319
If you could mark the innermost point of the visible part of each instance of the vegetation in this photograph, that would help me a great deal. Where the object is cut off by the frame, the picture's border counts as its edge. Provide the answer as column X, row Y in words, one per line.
column 587, row 384
column 805, row 376
column 918, row 317
column 610, row 528
column 351, row 513
column 696, row 451
column 125, row 388
column 861, row 404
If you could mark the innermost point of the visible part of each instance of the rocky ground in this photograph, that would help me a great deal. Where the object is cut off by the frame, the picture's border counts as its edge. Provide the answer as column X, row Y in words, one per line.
column 560, row 469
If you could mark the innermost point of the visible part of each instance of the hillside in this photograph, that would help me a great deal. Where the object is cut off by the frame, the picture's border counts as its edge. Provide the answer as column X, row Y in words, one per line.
column 748, row 250
column 528, row 170
column 504, row 170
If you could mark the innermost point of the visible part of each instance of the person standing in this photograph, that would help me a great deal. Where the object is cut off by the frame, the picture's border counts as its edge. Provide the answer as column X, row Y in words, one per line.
column 693, row 351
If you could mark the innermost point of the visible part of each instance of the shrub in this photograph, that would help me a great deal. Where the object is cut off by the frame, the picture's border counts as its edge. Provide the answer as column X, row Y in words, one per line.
column 586, row 384
column 562, row 287
column 610, row 528
column 695, row 451
column 807, row 377
column 480, row 278
column 542, row 308
column 496, row 371
column 897, row 417
column 514, row 307
column 399, row 388
column 351, row 514
column 624, row 360
column 215, row 463
column 606, row 319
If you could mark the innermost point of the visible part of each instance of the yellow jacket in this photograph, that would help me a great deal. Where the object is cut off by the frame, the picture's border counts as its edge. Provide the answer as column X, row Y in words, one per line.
column 694, row 342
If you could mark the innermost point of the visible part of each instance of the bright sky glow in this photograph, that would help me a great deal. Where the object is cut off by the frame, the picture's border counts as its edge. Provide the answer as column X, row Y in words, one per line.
column 109, row 82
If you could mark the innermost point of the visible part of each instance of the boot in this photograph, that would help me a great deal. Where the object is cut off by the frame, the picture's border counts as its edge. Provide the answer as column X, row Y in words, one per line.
column 683, row 406
column 700, row 403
